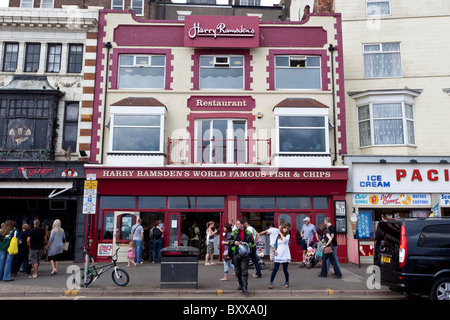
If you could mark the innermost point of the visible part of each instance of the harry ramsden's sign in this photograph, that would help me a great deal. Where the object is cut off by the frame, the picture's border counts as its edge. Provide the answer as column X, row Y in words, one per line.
column 264, row 173
column 221, row 30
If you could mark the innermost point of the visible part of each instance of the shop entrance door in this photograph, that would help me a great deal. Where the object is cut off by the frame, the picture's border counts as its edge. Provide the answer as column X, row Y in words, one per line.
column 123, row 222
column 296, row 222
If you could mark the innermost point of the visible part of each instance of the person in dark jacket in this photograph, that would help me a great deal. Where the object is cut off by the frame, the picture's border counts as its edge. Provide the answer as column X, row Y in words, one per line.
column 240, row 262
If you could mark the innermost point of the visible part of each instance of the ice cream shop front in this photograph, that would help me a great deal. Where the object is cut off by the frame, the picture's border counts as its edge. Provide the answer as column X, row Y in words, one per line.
column 178, row 197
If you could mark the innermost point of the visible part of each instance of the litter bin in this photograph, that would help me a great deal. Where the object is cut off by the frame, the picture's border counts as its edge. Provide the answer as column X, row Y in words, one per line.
column 179, row 267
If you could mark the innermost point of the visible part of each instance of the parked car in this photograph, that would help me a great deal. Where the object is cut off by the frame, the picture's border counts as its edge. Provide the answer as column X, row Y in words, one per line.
column 414, row 256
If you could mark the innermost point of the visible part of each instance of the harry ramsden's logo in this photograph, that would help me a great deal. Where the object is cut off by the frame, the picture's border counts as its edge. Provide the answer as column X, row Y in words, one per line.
column 220, row 31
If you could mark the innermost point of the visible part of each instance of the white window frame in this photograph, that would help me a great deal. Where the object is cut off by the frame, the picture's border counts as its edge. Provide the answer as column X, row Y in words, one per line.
column 117, row 7
column 298, row 57
column 27, row 3
column 369, row 2
column 370, row 99
column 47, row 4
column 134, row 3
column 136, row 111
column 229, row 141
column 218, row 65
column 182, row 15
column 380, row 51
column 302, row 112
column 136, row 65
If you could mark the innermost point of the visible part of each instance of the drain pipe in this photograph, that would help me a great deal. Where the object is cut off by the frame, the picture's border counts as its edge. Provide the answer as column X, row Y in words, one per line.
column 108, row 47
column 332, row 48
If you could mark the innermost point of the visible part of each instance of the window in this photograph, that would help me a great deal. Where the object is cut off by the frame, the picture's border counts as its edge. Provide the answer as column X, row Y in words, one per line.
column 70, row 126
column 435, row 236
column 382, row 60
column 142, row 71
column 53, row 58
column 221, row 72
column 378, row 7
column 297, row 72
column 10, row 57
column 302, row 133
column 26, row 3
column 220, row 141
column 47, row 4
column 386, row 124
column 117, row 4
column 75, row 62
column 138, row 7
column 139, row 129
column 32, row 55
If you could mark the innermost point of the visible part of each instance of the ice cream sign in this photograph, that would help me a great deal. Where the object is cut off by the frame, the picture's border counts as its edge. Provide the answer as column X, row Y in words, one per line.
column 391, row 199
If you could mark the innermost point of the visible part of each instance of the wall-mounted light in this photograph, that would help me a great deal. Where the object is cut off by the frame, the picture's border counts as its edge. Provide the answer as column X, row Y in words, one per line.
column 413, row 161
column 444, row 161
column 383, row 161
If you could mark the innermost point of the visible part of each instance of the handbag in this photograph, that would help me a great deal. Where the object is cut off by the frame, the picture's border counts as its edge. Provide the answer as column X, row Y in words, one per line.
column 328, row 250
column 66, row 246
column 13, row 245
column 226, row 257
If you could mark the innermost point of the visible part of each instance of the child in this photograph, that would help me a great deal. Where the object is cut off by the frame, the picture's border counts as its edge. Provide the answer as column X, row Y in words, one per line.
column 91, row 250
column 131, row 255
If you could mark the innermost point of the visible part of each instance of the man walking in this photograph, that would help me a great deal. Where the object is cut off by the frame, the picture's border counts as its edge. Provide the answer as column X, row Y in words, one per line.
column 137, row 235
column 253, row 256
column 37, row 242
column 240, row 262
column 307, row 234
column 332, row 230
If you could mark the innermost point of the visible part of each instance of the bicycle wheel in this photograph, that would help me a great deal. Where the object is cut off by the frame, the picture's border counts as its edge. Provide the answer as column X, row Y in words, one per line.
column 80, row 275
column 120, row 277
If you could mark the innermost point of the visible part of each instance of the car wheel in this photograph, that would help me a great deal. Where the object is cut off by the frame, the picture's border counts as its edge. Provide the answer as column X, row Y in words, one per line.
column 440, row 289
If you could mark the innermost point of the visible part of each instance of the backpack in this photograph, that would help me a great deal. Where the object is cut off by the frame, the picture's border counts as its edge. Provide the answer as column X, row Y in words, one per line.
column 156, row 233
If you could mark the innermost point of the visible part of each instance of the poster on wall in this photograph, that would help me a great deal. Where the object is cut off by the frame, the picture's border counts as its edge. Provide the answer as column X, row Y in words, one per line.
column 364, row 224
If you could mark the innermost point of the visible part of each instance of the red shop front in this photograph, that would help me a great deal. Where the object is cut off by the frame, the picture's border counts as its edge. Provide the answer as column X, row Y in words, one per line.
column 178, row 196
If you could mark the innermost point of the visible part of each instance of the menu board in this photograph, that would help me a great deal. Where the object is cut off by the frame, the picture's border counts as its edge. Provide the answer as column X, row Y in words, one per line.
column 341, row 225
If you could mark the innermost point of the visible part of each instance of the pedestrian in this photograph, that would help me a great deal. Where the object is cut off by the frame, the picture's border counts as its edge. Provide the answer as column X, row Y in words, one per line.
column 22, row 256
column 334, row 243
column 137, row 235
column 307, row 233
column 227, row 262
column 273, row 233
column 156, row 233
column 37, row 243
column 211, row 232
column 55, row 245
column 282, row 255
column 194, row 233
column 240, row 259
column 254, row 256
column 6, row 259
column 327, row 238
column 131, row 254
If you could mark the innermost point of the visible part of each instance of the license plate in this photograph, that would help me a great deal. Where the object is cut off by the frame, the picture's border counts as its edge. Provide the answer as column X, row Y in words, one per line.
column 386, row 259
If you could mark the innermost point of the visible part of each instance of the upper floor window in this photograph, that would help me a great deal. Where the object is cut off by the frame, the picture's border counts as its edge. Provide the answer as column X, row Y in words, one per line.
column 378, row 7
column 138, row 7
column 142, row 71
column 221, row 72
column 382, row 60
column 117, row 4
column 10, row 54
column 26, row 3
column 70, row 126
column 75, row 62
column 297, row 72
column 47, row 4
column 33, row 51
column 53, row 57
column 137, row 129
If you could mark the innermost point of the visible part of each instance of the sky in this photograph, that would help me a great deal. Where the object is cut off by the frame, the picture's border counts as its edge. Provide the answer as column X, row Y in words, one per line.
column 4, row 3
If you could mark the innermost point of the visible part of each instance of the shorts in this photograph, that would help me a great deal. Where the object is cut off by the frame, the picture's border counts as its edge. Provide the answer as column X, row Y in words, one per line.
column 272, row 254
column 34, row 257
column 210, row 248
column 305, row 245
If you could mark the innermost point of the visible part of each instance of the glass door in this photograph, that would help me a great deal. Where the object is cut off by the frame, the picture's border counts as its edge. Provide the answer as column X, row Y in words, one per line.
column 123, row 222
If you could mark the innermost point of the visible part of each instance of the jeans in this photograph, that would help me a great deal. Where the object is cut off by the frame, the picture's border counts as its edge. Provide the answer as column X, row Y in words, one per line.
column 5, row 265
column 276, row 265
column 256, row 263
column 227, row 265
column 329, row 258
column 336, row 259
column 138, row 247
column 157, row 246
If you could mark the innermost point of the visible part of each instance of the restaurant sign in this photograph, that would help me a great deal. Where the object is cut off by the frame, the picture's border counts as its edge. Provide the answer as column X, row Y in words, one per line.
column 221, row 31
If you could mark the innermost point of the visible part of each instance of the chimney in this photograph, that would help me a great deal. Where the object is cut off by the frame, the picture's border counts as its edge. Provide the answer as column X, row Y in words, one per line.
column 323, row 6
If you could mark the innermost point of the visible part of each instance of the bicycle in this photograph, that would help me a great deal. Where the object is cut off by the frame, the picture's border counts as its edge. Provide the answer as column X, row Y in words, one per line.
column 119, row 276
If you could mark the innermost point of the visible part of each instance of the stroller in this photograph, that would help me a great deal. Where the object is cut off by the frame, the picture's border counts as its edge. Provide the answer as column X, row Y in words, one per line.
column 313, row 256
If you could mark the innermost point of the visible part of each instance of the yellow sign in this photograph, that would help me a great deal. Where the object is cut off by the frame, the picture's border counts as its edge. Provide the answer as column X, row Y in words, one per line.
column 90, row 184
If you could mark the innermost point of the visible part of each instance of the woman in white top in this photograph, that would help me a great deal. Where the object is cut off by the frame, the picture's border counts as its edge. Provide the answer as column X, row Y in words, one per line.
column 282, row 255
